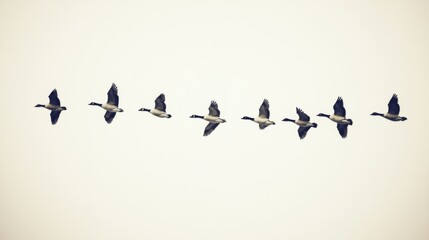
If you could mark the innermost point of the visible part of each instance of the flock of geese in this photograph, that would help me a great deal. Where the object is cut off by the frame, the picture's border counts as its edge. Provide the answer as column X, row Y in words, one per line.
column 214, row 119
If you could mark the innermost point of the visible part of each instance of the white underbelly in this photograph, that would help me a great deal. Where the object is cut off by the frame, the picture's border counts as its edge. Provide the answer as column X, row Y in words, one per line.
column 390, row 116
column 262, row 120
column 158, row 113
column 303, row 123
column 110, row 107
column 338, row 119
column 213, row 119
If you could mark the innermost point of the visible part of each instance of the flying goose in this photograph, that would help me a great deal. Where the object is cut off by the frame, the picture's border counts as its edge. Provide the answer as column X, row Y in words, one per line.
column 159, row 109
column 264, row 115
column 54, row 105
column 303, row 122
column 213, row 117
column 339, row 117
column 393, row 112
column 112, row 104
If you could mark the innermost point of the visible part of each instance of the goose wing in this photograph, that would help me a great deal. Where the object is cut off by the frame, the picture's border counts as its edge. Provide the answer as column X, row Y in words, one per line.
column 112, row 95
column 393, row 105
column 54, row 116
column 264, row 109
column 302, row 132
column 53, row 98
column 263, row 126
column 302, row 116
column 109, row 116
column 160, row 103
column 210, row 128
column 339, row 109
column 214, row 110
column 342, row 129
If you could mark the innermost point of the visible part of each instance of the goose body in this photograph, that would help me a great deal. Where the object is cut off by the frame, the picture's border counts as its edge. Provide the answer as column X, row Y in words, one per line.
column 263, row 118
column 112, row 104
column 213, row 118
column 303, row 122
column 111, row 107
column 393, row 111
column 160, row 107
column 54, row 105
column 339, row 117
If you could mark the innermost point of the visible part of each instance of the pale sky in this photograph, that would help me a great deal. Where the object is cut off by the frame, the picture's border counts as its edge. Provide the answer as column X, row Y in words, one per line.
column 143, row 177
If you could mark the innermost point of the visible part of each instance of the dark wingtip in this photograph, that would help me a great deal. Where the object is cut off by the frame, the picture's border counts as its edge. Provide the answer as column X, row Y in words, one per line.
column 114, row 86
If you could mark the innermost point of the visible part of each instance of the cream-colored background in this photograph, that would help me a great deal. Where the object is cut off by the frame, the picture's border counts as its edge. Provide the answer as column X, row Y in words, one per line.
column 147, row 178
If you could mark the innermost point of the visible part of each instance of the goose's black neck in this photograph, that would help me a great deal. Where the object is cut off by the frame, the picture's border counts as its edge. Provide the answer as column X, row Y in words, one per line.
column 288, row 120
column 196, row 116
column 247, row 118
column 95, row 104
column 323, row 115
column 376, row 114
